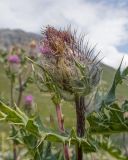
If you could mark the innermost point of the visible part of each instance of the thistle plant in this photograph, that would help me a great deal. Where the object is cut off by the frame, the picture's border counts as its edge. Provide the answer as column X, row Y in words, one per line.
column 73, row 67
column 69, row 70
column 16, row 68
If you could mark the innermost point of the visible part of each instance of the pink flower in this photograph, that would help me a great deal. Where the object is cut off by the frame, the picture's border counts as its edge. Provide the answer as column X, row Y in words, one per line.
column 14, row 59
column 28, row 100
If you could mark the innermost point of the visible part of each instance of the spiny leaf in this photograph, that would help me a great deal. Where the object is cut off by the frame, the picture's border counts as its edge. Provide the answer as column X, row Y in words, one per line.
column 118, row 79
column 11, row 115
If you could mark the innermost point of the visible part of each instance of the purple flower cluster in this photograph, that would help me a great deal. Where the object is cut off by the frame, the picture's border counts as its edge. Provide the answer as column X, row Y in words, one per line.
column 14, row 59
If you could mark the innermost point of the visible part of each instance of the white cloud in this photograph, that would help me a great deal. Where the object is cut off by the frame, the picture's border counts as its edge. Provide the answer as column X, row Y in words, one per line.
column 114, row 58
column 104, row 23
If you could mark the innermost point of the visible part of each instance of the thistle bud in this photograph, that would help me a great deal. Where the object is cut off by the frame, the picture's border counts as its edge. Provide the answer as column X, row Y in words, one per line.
column 14, row 63
column 28, row 100
column 33, row 44
column 33, row 50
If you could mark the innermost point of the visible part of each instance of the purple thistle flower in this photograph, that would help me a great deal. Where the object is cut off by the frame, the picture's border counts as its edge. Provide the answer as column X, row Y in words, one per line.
column 28, row 100
column 70, row 61
column 14, row 59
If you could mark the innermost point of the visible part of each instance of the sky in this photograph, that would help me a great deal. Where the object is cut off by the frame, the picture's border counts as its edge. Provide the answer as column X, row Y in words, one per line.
column 104, row 22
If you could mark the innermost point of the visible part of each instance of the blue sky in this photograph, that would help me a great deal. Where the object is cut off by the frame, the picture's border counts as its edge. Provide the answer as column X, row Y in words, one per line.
column 104, row 21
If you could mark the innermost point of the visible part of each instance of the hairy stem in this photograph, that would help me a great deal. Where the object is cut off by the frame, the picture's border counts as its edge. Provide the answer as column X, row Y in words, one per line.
column 62, row 129
column 80, row 122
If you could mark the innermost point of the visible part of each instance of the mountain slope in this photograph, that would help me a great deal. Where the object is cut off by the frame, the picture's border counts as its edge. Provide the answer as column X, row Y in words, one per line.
column 16, row 37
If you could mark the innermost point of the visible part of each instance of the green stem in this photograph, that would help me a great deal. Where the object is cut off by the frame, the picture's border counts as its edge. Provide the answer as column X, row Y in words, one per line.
column 80, row 123
column 12, row 105
column 11, row 90
column 20, row 91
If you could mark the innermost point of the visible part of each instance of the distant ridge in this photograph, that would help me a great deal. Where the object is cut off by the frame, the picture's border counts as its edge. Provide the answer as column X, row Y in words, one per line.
column 10, row 37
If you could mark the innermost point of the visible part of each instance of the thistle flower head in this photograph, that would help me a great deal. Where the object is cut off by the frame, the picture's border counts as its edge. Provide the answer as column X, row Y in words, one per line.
column 70, row 62
column 28, row 100
column 14, row 59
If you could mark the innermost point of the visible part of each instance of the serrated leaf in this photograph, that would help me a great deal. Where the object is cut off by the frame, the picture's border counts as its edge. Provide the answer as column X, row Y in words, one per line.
column 109, row 120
